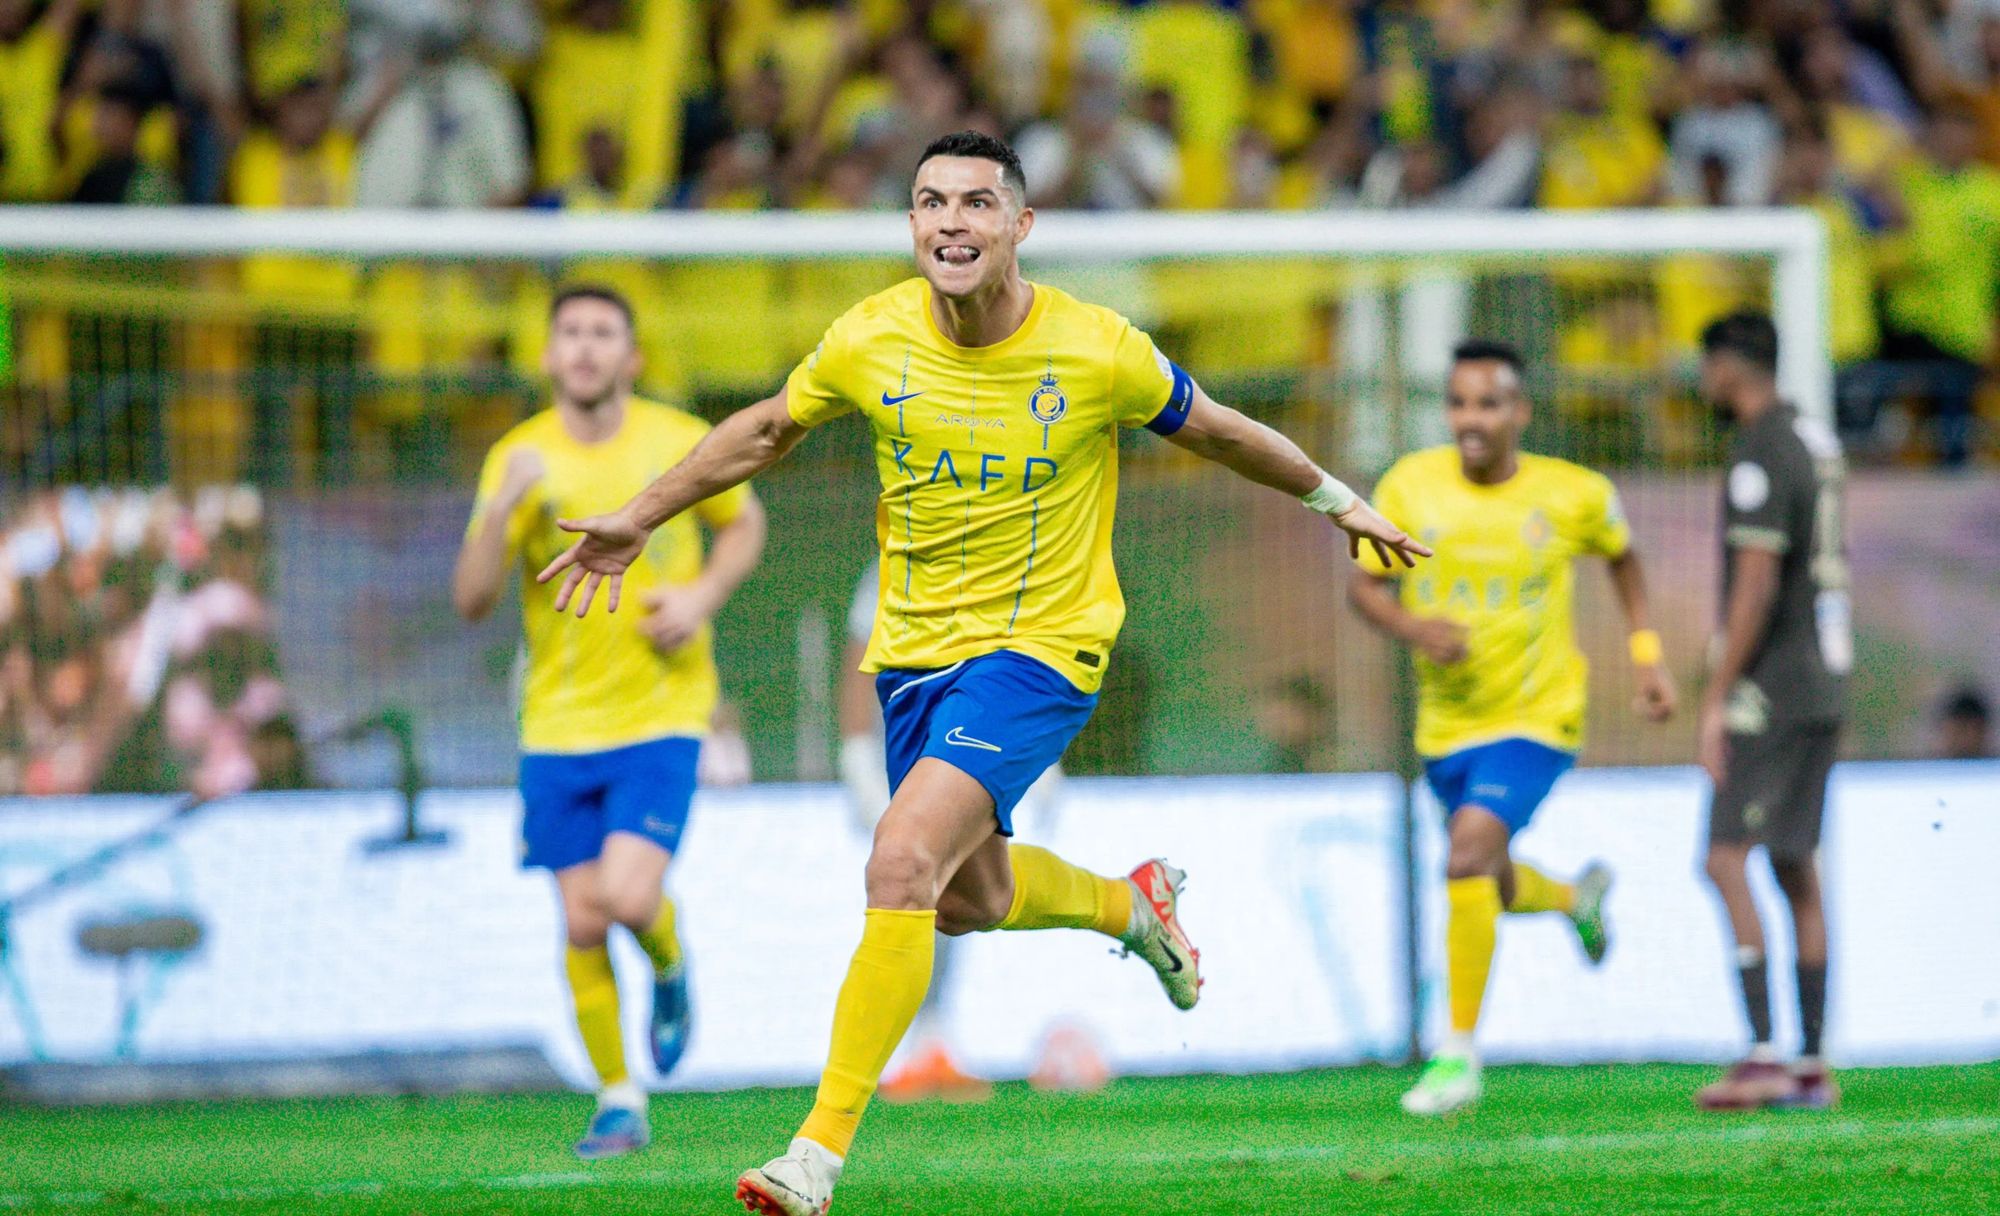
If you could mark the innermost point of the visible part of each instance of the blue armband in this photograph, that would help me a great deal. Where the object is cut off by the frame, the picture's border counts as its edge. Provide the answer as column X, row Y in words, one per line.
column 1174, row 414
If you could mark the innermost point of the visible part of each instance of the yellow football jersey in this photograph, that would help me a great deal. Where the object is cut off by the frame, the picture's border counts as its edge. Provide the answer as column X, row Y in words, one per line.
column 599, row 683
column 999, row 469
column 1503, row 570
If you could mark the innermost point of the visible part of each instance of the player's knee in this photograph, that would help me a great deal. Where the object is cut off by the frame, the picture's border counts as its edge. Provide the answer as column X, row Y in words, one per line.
column 584, row 928
column 1724, row 866
column 962, row 912
column 1797, row 878
column 901, row 875
column 635, row 907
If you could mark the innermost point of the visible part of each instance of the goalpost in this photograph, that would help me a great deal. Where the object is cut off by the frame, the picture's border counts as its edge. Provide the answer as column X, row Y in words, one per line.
column 1793, row 240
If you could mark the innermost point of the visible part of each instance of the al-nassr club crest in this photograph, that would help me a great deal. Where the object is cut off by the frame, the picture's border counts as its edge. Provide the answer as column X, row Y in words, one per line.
column 1047, row 403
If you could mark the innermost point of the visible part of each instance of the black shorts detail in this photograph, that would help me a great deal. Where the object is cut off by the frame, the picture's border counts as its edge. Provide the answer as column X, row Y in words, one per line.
column 1775, row 791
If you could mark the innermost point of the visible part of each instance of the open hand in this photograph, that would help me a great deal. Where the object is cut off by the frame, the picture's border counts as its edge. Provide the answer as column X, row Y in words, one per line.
column 608, row 546
column 1363, row 522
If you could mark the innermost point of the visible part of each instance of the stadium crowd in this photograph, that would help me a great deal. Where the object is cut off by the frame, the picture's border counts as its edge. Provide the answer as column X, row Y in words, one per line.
column 136, row 647
column 1882, row 115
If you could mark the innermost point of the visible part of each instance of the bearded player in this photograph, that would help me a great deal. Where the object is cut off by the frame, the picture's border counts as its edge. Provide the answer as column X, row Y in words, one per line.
column 996, row 405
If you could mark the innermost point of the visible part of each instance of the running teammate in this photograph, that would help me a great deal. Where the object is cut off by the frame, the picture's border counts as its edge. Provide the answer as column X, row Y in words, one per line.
column 1501, row 682
column 613, row 710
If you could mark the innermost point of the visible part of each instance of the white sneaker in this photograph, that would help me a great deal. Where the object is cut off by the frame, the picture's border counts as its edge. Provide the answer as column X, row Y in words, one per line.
column 1449, row 1083
column 800, row 1183
column 1156, row 935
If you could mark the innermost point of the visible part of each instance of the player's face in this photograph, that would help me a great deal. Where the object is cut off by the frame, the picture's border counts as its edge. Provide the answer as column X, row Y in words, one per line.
column 1487, row 411
column 966, row 223
column 1720, row 376
column 591, row 355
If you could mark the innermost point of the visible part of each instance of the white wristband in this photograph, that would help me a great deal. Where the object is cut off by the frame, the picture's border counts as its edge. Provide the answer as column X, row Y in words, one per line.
column 1332, row 497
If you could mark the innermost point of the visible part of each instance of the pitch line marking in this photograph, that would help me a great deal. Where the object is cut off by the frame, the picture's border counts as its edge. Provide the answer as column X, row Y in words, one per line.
column 1803, row 1132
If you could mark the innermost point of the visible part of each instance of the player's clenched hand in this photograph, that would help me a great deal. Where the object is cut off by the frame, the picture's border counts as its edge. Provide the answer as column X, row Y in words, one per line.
column 608, row 545
column 1656, row 698
column 1439, row 640
column 673, row 616
column 1712, row 742
column 1363, row 522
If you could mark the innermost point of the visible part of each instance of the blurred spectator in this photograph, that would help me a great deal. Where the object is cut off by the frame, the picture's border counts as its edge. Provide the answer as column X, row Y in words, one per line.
column 1598, row 157
column 602, row 66
column 452, row 134
column 1726, row 121
column 1964, row 725
column 1942, row 272
column 33, row 51
column 1099, row 157
column 136, row 650
column 1808, row 177
column 1869, row 117
column 1295, row 717
column 118, row 175
column 288, row 41
column 1975, row 82
column 208, row 74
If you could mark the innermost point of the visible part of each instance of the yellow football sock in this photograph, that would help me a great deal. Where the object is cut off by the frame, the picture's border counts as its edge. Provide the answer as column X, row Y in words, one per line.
column 1535, row 891
column 1468, row 946
column 659, row 940
column 885, row 984
column 1050, row 893
column 595, row 991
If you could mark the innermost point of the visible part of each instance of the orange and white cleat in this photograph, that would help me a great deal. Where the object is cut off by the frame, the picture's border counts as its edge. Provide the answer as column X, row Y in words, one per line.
column 800, row 1183
column 932, row 1073
column 1156, row 934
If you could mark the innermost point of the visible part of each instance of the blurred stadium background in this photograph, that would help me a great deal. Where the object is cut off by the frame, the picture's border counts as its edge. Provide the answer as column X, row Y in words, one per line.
column 237, row 446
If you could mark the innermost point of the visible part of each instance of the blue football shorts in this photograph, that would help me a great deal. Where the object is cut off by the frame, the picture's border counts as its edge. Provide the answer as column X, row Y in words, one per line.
column 1000, row 718
column 571, row 802
column 1510, row 778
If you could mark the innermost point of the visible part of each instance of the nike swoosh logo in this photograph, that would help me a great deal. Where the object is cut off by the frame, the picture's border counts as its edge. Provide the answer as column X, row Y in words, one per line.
column 888, row 400
column 957, row 737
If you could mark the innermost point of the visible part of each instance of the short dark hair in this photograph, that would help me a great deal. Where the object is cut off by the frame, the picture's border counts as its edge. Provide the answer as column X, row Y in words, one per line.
column 1747, row 335
column 984, row 147
column 1475, row 350
column 596, row 291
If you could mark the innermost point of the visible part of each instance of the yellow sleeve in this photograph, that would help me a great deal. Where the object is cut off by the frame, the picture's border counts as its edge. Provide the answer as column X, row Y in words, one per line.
column 1147, row 389
column 814, row 392
column 491, row 475
column 1389, row 499
column 1605, row 532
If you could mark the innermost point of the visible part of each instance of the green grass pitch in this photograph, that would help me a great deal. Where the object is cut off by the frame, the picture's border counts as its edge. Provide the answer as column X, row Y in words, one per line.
column 1546, row 1140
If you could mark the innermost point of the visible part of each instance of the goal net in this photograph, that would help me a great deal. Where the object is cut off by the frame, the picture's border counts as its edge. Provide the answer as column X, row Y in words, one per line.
column 308, row 395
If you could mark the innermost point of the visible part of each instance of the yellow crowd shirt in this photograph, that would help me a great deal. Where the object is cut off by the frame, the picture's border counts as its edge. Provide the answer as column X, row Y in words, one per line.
column 1502, row 570
column 600, row 683
column 999, row 468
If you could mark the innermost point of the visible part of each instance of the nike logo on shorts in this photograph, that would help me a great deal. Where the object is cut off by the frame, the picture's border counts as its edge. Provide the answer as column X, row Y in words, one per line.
column 888, row 400
column 957, row 737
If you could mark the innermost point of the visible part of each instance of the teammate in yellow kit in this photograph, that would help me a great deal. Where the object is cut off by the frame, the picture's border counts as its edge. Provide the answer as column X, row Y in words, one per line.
column 1501, row 682
column 996, row 405
column 613, row 710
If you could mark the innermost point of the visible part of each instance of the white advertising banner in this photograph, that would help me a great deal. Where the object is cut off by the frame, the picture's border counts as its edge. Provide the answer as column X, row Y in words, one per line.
column 316, row 944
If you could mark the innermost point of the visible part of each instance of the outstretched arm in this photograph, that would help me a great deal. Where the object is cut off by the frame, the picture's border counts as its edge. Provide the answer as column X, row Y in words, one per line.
column 744, row 445
column 1656, row 697
column 1254, row 451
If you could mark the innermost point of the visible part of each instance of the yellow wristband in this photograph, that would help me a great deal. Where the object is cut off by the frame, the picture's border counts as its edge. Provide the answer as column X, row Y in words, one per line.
column 1646, row 648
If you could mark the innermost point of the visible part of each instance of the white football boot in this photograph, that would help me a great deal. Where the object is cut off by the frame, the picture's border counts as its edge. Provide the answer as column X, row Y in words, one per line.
column 800, row 1183
column 1450, row 1082
column 1156, row 934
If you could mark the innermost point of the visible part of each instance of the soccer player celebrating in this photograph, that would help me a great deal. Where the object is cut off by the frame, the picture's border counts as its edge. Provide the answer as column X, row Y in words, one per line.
column 1770, row 716
column 995, row 404
column 1501, row 682
column 613, row 710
